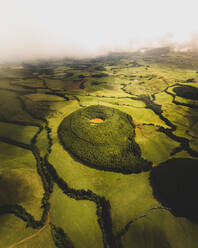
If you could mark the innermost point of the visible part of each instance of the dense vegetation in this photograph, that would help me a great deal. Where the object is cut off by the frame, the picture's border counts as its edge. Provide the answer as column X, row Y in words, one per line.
column 109, row 145
column 147, row 108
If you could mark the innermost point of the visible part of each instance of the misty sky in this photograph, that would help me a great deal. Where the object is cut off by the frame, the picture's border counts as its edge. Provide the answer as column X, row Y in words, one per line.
column 45, row 28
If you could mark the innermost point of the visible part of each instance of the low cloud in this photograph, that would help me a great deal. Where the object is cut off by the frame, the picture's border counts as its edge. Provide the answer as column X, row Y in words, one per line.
column 49, row 28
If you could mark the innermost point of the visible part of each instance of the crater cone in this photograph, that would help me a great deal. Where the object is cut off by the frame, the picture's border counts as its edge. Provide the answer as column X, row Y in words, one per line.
column 103, row 138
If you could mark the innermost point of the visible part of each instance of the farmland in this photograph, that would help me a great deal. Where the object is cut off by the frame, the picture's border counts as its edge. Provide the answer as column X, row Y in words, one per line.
column 100, row 152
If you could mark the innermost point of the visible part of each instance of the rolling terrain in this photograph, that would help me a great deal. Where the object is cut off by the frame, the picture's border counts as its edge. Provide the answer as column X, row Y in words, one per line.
column 55, row 192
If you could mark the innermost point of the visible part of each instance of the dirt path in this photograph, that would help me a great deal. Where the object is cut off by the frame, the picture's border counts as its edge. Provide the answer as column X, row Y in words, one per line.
column 32, row 236
column 75, row 85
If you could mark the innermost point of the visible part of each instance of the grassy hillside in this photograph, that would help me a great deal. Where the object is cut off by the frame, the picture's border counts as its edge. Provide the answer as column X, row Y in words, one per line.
column 69, row 127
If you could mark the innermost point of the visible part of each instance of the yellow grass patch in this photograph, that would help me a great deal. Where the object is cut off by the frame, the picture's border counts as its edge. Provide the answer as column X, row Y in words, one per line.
column 97, row 120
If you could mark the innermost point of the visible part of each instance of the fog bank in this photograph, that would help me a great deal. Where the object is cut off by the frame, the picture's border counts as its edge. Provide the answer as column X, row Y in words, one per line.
column 47, row 28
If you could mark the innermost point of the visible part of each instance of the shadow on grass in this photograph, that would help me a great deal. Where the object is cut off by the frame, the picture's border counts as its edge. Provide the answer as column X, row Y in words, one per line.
column 175, row 185
column 187, row 91
column 146, row 236
column 14, row 189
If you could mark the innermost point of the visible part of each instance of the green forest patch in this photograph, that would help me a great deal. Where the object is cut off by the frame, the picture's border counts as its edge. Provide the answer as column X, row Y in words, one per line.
column 108, row 145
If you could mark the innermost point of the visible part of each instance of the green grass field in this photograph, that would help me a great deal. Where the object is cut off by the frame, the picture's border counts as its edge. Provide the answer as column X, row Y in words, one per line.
column 51, row 197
